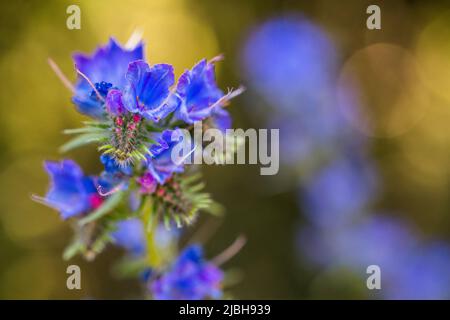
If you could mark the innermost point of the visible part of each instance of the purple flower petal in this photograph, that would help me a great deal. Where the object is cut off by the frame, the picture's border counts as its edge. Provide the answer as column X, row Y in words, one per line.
column 114, row 103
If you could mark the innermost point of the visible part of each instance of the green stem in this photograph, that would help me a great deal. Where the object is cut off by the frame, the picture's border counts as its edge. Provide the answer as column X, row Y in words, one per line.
column 150, row 221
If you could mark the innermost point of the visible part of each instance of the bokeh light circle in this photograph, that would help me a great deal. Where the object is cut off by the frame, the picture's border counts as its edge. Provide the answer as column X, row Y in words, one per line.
column 171, row 31
column 388, row 96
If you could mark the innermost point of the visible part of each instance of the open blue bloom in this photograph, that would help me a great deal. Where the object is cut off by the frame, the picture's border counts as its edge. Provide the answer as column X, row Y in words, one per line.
column 189, row 278
column 71, row 192
column 161, row 164
column 106, row 69
column 147, row 89
column 130, row 235
column 196, row 93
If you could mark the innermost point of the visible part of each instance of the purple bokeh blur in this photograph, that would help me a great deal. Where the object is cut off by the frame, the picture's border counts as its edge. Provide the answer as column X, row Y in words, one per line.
column 291, row 64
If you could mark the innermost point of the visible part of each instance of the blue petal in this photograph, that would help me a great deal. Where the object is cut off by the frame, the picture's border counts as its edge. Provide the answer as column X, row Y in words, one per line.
column 197, row 91
column 156, row 84
column 112, row 167
column 162, row 168
column 67, row 191
column 107, row 64
column 193, row 253
column 161, row 164
column 89, row 105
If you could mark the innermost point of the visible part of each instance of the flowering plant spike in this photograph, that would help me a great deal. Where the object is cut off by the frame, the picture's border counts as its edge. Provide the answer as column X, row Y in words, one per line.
column 143, row 199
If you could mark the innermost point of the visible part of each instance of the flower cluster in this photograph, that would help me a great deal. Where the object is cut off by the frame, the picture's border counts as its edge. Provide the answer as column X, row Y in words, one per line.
column 136, row 111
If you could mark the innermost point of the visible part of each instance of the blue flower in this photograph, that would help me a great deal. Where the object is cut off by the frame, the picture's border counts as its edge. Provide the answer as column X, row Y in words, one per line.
column 339, row 192
column 161, row 164
column 424, row 275
column 106, row 69
column 221, row 119
column 189, row 278
column 112, row 167
column 291, row 62
column 130, row 235
column 71, row 192
column 196, row 93
column 147, row 89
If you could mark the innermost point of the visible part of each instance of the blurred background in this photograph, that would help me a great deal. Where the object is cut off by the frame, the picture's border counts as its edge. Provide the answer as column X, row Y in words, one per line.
column 364, row 141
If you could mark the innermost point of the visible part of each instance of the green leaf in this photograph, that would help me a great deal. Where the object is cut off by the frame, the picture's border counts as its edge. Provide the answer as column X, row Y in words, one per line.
column 178, row 124
column 105, row 147
column 166, row 218
column 99, row 124
column 73, row 249
column 191, row 178
column 196, row 188
column 101, row 242
column 216, row 209
column 147, row 139
column 106, row 207
column 81, row 140
column 84, row 130
column 152, row 128
column 145, row 150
